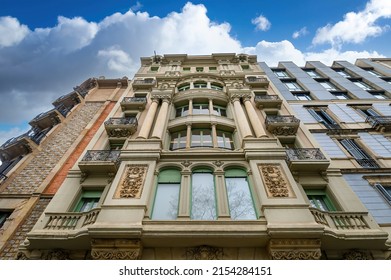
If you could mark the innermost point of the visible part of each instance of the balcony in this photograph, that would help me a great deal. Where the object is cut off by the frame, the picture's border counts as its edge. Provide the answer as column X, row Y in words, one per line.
column 133, row 103
column 121, row 127
column 65, row 103
column 367, row 163
column 100, row 161
column 257, row 81
column 306, row 159
column 341, row 220
column 45, row 120
column 70, row 221
column 85, row 87
column 380, row 123
column 268, row 101
column 20, row 145
column 144, row 84
column 282, row 125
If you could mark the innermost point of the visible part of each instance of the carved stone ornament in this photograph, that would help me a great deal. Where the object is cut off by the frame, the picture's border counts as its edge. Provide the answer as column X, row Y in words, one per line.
column 204, row 253
column 116, row 249
column 275, row 181
column 132, row 182
column 356, row 255
column 186, row 163
column 218, row 163
column 120, row 132
column 56, row 255
column 295, row 249
column 284, row 130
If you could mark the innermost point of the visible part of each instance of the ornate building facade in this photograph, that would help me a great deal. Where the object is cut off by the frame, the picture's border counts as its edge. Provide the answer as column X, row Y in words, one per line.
column 205, row 157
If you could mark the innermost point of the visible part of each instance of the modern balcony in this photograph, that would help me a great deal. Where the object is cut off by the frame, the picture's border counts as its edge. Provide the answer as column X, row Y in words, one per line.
column 100, row 161
column 85, row 87
column 65, row 103
column 306, row 159
column 121, row 127
column 282, row 125
column 133, row 103
column 144, row 84
column 257, row 81
column 380, row 123
column 268, row 101
column 46, row 120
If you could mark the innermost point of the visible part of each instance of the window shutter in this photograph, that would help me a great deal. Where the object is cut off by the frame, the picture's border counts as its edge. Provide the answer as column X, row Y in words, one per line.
column 353, row 149
column 315, row 115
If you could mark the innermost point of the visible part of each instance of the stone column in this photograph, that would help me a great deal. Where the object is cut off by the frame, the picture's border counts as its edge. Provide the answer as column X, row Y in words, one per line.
column 161, row 120
column 184, row 196
column 147, row 124
column 214, row 135
column 188, row 135
column 190, row 106
column 254, row 120
column 221, row 194
column 241, row 119
column 210, row 107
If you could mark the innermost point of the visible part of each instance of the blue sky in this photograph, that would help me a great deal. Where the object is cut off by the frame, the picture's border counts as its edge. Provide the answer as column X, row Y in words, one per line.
column 50, row 46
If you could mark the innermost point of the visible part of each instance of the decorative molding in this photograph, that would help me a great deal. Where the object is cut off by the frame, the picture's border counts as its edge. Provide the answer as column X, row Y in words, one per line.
column 295, row 249
column 56, row 255
column 275, row 181
column 116, row 249
column 186, row 163
column 218, row 163
column 132, row 182
column 356, row 255
column 204, row 253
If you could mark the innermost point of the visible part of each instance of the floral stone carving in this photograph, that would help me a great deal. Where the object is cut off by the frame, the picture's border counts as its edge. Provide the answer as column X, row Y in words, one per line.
column 132, row 182
column 275, row 181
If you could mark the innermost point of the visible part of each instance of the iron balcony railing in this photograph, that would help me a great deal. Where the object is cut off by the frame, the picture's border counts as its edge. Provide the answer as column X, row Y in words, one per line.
column 305, row 154
column 122, row 121
column 367, row 163
column 281, row 119
column 102, row 155
column 134, row 100
column 382, row 123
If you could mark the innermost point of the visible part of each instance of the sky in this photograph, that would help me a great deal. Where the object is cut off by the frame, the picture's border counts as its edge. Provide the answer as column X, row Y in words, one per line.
column 48, row 47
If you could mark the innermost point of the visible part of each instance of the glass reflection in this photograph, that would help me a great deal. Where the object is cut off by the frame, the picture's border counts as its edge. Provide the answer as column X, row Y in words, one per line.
column 203, row 205
column 166, row 202
column 239, row 198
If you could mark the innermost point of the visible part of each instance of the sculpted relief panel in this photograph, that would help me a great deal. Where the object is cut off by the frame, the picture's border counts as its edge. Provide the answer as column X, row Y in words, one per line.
column 275, row 181
column 132, row 181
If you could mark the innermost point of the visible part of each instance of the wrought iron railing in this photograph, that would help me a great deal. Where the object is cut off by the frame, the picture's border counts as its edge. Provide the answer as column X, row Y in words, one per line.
column 305, row 154
column 102, row 155
column 281, row 119
column 367, row 163
column 134, row 100
column 378, row 120
column 122, row 121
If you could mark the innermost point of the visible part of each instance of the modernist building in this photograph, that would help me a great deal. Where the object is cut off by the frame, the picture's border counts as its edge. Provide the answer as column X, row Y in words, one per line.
column 206, row 157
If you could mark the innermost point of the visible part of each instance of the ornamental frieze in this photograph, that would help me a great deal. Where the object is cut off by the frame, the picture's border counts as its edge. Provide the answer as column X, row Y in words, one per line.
column 275, row 181
column 132, row 181
column 295, row 249
column 296, row 255
column 116, row 249
column 204, row 253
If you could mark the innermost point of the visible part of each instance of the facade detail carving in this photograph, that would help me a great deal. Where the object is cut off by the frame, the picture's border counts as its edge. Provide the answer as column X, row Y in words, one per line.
column 132, row 182
column 295, row 249
column 275, row 181
column 204, row 253
column 356, row 255
column 186, row 163
column 116, row 249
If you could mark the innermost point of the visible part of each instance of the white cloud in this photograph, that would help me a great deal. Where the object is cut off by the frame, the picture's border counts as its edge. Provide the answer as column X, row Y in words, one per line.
column 261, row 23
column 302, row 32
column 117, row 59
column 12, row 32
column 356, row 27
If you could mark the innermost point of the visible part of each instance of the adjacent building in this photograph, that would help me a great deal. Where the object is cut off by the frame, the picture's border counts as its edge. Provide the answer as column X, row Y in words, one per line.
column 206, row 157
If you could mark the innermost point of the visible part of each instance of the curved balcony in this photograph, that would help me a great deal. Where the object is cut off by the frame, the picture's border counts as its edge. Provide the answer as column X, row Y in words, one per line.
column 100, row 161
column 121, row 127
column 133, row 103
column 282, row 125
column 268, row 101
column 306, row 159
column 70, row 221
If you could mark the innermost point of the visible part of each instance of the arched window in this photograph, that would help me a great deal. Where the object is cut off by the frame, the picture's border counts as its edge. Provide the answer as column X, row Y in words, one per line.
column 200, row 84
column 216, row 86
column 184, row 87
column 240, row 201
column 203, row 199
column 166, row 202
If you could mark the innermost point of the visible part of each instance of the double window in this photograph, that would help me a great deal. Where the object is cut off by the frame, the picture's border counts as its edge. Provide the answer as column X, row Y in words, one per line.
column 359, row 154
column 201, row 138
column 203, row 196
column 200, row 109
column 182, row 111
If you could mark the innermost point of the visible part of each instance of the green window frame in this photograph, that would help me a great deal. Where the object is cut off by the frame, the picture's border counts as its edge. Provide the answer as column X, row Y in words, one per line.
column 203, row 195
column 178, row 140
column 184, row 87
column 239, row 195
column 199, row 69
column 154, row 68
column 89, row 199
column 201, row 138
column 320, row 200
column 166, row 201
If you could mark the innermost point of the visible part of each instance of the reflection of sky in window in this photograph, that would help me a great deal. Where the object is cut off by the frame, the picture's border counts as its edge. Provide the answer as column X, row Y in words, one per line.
column 239, row 198
column 203, row 205
column 166, row 202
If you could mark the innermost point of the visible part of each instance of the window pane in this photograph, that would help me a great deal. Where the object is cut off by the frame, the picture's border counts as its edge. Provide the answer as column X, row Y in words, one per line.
column 239, row 198
column 203, row 203
column 178, row 140
column 224, row 140
column 88, row 203
column 219, row 111
column 206, row 139
column 201, row 138
column 166, row 202
column 3, row 217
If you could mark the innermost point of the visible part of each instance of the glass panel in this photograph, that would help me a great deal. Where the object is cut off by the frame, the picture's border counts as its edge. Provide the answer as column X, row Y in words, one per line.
column 203, row 203
column 184, row 87
column 166, row 202
column 200, row 109
column 182, row 111
column 224, row 140
column 216, row 87
column 88, row 203
column 318, row 201
column 200, row 85
column 219, row 111
column 302, row 97
column 206, row 139
column 3, row 217
column 362, row 85
column 343, row 73
column 239, row 199
column 293, row 86
column 281, row 74
column 328, row 85
column 378, row 96
column 313, row 73
column 178, row 140
column 196, row 138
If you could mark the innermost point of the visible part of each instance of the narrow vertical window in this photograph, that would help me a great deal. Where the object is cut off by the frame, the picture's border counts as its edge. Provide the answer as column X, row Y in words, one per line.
column 320, row 200
column 166, row 202
column 203, row 202
column 240, row 201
